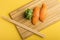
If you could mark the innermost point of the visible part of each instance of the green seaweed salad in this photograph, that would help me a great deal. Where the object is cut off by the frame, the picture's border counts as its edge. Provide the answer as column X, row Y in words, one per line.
column 28, row 14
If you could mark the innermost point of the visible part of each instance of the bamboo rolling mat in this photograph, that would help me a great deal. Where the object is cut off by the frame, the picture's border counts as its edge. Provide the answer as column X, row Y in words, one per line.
column 53, row 15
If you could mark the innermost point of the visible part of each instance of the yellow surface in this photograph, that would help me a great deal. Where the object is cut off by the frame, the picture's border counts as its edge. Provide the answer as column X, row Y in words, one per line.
column 8, row 30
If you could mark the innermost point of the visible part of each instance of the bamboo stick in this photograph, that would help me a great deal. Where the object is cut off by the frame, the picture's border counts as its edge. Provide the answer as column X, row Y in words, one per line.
column 24, row 26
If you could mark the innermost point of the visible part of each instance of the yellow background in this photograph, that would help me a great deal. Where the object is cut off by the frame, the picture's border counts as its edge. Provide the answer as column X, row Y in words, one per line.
column 8, row 30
